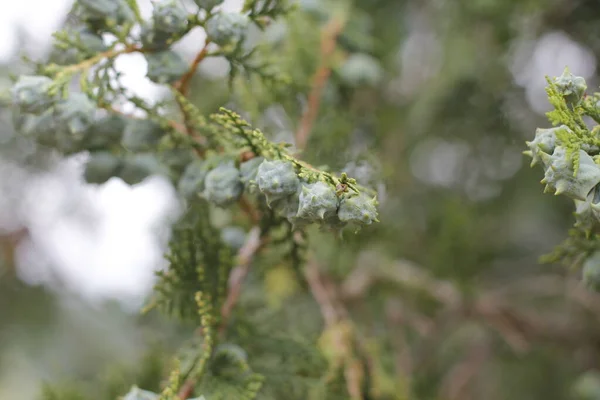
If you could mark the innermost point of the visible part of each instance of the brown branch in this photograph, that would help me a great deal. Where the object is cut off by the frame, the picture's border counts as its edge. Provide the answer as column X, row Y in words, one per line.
column 183, row 84
column 238, row 274
column 337, row 321
column 329, row 36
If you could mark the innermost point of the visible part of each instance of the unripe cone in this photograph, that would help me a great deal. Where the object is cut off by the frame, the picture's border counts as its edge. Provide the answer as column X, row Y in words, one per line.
column 317, row 201
column 165, row 66
column 560, row 177
column 191, row 182
column 277, row 179
column 101, row 167
column 222, row 185
column 359, row 209
column 226, row 28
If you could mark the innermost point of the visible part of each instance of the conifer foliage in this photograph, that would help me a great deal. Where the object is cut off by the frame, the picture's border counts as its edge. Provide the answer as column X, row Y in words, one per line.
column 71, row 105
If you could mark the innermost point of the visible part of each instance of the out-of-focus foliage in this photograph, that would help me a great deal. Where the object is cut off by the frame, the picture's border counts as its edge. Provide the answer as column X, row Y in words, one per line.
column 429, row 103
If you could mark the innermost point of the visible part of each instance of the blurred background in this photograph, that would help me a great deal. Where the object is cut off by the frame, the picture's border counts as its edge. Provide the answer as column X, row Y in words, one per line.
column 430, row 103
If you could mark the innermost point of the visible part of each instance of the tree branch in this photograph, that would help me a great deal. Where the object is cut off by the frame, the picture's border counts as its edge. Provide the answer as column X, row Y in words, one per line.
column 329, row 37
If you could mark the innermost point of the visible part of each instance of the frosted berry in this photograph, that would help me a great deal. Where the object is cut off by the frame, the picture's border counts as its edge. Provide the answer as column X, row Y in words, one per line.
column 30, row 94
column 591, row 272
column 170, row 17
column 559, row 176
column 90, row 42
column 544, row 141
column 165, row 66
column 100, row 167
column 361, row 70
column 571, row 87
column 222, row 185
column 208, row 4
column 105, row 132
column 233, row 236
column 248, row 171
column 191, row 182
column 359, row 209
column 317, row 201
column 287, row 207
column 142, row 134
column 277, row 179
column 154, row 39
column 227, row 28
column 138, row 167
column 76, row 114
column 101, row 13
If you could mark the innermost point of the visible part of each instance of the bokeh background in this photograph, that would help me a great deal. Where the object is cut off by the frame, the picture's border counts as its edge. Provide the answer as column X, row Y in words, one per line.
column 454, row 285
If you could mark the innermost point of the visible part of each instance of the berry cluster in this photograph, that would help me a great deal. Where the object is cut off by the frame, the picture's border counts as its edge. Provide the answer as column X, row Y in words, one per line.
column 569, row 154
column 132, row 149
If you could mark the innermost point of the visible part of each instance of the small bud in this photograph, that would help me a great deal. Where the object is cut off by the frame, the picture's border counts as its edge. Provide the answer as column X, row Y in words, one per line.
column 317, row 201
column 560, row 175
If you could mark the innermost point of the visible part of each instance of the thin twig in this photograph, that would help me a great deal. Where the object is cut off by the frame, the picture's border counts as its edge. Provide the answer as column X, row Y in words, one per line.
column 329, row 37
column 238, row 274
column 337, row 321
column 183, row 84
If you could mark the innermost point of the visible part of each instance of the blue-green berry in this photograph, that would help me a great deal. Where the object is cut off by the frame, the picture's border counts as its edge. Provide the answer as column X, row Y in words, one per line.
column 571, row 87
column 100, row 167
column 277, row 179
column 358, row 209
column 248, row 171
column 208, row 4
column 106, row 132
column 142, row 134
column 317, row 201
column 361, row 70
column 103, row 13
column 226, row 28
column 76, row 114
column 560, row 177
column 191, row 182
column 30, row 94
column 170, row 17
column 138, row 167
column 222, row 185
column 165, row 66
